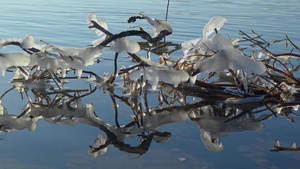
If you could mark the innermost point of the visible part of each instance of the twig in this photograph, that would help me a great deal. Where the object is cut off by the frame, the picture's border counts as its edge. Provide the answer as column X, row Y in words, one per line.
column 259, row 36
column 126, row 70
column 296, row 47
column 54, row 78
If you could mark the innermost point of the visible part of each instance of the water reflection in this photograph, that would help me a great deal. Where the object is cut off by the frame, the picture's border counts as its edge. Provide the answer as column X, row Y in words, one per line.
column 215, row 118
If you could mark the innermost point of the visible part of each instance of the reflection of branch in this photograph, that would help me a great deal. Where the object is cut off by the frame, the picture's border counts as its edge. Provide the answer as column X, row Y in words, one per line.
column 140, row 149
column 90, row 91
column 115, row 105
column 6, row 92
column 282, row 148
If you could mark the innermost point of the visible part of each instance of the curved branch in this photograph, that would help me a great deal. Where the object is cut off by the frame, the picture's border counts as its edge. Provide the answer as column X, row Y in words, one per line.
column 143, row 35
column 97, row 26
column 133, row 19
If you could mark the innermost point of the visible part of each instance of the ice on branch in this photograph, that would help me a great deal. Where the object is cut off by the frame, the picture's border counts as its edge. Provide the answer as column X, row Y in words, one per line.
column 155, row 74
column 102, row 23
column 25, row 43
column 51, row 57
column 56, row 57
column 85, row 55
column 120, row 45
column 191, row 44
column 214, row 23
column 218, row 53
column 158, row 25
column 198, row 44
column 12, row 59
column 227, row 57
column 124, row 45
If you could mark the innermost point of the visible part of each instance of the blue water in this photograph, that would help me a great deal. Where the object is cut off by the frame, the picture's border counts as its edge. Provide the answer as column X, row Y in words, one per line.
column 64, row 23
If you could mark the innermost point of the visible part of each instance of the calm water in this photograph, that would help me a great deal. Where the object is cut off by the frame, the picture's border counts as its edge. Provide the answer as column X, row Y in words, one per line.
column 65, row 146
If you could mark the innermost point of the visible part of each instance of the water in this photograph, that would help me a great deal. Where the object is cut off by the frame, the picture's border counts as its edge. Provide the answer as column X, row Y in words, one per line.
column 64, row 146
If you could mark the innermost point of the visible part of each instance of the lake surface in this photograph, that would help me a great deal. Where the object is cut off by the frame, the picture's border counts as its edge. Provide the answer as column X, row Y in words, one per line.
column 55, row 145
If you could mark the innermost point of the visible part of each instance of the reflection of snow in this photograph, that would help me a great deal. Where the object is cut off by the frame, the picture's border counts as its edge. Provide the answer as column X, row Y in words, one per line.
column 213, row 127
column 100, row 141
column 10, row 123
